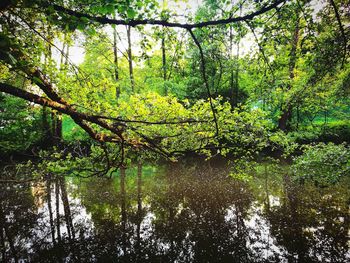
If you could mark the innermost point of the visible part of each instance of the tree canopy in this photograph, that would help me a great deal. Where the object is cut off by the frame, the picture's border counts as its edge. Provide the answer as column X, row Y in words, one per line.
column 230, row 75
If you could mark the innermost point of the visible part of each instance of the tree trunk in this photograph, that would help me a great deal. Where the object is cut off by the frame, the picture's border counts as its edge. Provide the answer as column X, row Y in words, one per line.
column 56, row 127
column 62, row 54
column 131, row 70
column 237, row 74
column 164, row 61
column 49, row 206
column 283, row 122
column 45, row 125
column 58, row 131
column 66, row 208
column 231, row 69
column 116, row 72
column 57, row 199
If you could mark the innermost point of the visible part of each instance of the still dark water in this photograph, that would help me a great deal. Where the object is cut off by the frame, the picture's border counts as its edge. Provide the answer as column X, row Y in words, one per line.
column 174, row 213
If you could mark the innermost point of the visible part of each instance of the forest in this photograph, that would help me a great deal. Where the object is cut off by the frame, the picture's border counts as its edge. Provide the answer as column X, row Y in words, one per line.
column 174, row 130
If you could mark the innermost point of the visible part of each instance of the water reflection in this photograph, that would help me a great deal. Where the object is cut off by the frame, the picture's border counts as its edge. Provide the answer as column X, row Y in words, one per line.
column 174, row 213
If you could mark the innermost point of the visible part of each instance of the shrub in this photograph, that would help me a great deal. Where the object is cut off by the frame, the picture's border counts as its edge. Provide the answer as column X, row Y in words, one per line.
column 323, row 163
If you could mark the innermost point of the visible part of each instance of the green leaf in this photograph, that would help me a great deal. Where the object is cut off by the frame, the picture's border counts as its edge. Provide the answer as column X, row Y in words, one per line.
column 131, row 13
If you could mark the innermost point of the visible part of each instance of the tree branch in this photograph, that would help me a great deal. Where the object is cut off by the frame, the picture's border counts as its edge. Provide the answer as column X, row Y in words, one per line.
column 341, row 29
column 261, row 49
column 78, row 117
column 133, row 23
column 204, row 74
column 164, row 122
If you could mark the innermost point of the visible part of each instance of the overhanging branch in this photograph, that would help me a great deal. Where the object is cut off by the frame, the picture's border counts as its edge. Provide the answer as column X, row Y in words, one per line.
column 341, row 27
column 133, row 23
column 205, row 78
column 78, row 117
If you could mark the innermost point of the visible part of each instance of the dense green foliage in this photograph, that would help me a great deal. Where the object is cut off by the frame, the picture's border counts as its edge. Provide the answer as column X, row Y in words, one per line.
column 273, row 76
column 221, row 128
column 19, row 124
column 323, row 163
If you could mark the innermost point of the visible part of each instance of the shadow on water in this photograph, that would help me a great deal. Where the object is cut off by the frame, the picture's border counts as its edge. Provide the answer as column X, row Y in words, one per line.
column 174, row 213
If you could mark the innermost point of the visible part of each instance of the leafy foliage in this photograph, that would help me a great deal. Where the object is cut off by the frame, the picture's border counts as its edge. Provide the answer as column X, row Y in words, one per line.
column 323, row 163
column 264, row 77
column 19, row 125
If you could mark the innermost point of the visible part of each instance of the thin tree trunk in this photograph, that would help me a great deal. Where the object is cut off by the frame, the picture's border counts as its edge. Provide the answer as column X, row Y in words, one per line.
column 49, row 205
column 67, row 55
column 116, row 70
column 53, row 126
column 69, row 220
column 164, row 61
column 58, row 131
column 131, row 70
column 66, row 208
column 237, row 74
column 57, row 197
column 237, row 59
column 231, row 69
column 46, row 125
column 62, row 54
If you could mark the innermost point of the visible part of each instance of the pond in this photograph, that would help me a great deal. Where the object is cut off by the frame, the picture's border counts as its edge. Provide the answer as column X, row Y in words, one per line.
column 182, row 212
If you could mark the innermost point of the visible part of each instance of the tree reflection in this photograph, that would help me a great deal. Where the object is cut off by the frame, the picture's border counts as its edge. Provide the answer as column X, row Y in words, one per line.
column 18, row 216
column 192, row 216
column 312, row 224
column 182, row 213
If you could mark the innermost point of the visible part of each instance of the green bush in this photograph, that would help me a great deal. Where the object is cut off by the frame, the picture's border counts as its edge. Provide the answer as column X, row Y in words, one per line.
column 323, row 163
column 336, row 132
column 20, row 125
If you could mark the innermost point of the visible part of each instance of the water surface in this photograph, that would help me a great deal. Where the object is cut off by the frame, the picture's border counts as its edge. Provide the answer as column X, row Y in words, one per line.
column 174, row 213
